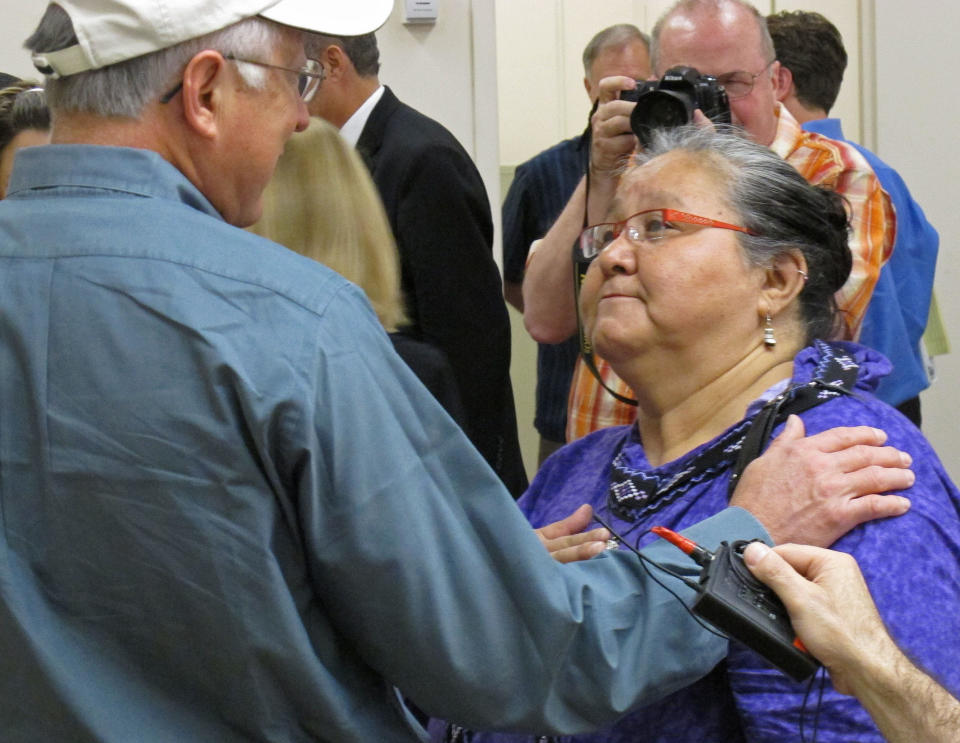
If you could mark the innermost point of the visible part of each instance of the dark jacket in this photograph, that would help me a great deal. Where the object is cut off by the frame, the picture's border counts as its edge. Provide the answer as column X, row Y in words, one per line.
column 438, row 209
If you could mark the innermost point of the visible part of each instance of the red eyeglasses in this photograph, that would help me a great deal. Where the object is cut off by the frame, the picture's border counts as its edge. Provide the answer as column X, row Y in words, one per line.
column 650, row 225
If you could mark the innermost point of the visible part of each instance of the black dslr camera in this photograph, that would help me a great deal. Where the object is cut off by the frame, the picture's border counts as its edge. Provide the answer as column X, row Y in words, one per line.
column 671, row 101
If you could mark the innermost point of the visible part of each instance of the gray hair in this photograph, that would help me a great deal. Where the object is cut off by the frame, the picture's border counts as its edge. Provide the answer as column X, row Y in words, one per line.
column 710, row 6
column 784, row 212
column 123, row 89
column 612, row 37
column 362, row 51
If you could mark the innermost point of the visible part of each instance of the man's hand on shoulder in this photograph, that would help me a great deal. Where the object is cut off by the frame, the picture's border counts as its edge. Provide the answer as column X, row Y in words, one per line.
column 813, row 490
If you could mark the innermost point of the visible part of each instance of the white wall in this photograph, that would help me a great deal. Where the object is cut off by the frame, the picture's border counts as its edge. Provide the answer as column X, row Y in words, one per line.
column 914, row 116
column 19, row 21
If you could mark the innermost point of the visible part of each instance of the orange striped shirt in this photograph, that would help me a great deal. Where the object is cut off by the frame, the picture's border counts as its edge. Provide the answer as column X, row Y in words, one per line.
column 823, row 162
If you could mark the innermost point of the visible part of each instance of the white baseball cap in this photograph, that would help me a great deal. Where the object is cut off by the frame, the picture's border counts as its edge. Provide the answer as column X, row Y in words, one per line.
column 111, row 31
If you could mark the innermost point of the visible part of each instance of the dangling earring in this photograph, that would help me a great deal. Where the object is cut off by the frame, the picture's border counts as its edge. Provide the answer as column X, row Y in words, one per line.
column 769, row 339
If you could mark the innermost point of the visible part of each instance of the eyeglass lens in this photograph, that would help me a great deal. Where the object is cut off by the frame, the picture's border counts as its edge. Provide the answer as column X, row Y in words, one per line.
column 309, row 79
column 648, row 225
column 738, row 84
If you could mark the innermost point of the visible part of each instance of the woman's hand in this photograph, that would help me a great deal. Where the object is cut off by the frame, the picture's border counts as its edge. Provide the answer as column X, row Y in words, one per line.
column 566, row 541
column 813, row 490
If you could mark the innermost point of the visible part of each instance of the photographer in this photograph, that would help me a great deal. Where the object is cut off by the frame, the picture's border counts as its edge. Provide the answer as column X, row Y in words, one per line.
column 728, row 40
column 836, row 619
column 538, row 193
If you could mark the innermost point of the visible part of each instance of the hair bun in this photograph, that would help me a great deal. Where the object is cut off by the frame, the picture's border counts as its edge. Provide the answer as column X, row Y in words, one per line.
column 838, row 259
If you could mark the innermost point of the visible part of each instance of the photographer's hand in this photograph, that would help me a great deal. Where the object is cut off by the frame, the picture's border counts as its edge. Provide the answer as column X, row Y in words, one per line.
column 549, row 310
column 612, row 143
column 701, row 120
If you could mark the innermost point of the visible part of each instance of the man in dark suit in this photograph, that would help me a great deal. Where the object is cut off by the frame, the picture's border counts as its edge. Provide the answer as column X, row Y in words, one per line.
column 439, row 212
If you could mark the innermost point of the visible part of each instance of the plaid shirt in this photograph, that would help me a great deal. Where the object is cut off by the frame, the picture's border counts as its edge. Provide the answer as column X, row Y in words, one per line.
column 823, row 162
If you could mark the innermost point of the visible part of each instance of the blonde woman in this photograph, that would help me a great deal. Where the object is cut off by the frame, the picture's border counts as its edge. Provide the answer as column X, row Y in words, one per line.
column 323, row 204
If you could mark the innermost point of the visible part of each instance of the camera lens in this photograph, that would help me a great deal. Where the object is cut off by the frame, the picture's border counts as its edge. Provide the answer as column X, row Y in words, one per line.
column 663, row 111
column 660, row 109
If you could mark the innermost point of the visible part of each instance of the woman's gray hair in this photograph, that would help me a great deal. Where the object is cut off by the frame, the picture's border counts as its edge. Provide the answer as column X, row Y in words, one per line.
column 784, row 212
column 123, row 89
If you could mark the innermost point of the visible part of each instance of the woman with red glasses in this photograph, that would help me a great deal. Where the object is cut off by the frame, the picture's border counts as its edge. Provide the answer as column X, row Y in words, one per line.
column 710, row 291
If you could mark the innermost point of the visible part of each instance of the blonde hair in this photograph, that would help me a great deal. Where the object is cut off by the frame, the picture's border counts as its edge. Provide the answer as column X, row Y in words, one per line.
column 323, row 204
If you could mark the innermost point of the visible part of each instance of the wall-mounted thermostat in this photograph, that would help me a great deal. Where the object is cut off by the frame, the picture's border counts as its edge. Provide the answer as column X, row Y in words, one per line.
column 420, row 11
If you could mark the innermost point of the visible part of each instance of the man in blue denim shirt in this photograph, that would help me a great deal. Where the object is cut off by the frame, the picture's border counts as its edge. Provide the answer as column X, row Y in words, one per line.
column 228, row 512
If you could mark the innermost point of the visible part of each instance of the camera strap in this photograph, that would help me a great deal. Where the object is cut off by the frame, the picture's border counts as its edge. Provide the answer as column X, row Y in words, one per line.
column 636, row 493
column 580, row 267
column 836, row 375
column 587, row 143
column 586, row 348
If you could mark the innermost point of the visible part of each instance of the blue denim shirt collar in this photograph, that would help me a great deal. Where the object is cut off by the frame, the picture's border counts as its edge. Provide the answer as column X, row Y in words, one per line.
column 76, row 167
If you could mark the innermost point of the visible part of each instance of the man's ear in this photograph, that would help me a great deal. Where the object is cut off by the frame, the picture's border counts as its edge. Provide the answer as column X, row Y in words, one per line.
column 205, row 81
column 335, row 62
column 782, row 81
column 783, row 281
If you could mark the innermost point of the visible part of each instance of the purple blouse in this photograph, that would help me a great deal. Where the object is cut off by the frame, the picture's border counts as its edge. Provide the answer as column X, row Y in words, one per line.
column 911, row 564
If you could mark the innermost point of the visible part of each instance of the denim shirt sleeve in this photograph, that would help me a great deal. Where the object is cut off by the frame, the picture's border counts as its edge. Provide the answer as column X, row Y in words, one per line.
column 427, row 565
